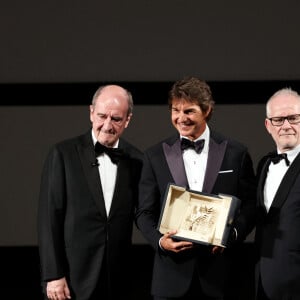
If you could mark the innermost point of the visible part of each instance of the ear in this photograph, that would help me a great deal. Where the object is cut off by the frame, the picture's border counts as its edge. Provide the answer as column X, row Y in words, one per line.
column 268, row 125
column 207, row 112
column 128, row 120
column 91, row 113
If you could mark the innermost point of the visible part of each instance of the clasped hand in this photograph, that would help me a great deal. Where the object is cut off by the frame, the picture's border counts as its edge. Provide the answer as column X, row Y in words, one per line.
column 58, row 289
column 169, row 244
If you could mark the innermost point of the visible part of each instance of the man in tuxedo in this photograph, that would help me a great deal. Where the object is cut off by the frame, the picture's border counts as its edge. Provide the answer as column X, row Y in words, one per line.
column 182, row 269
column 88, row 196
column 278, row 225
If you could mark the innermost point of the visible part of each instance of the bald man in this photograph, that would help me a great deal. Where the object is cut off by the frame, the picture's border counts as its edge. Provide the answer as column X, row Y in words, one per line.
column 87, row 201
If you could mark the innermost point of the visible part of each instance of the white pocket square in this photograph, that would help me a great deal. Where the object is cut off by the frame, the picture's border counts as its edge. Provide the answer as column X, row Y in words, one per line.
column 225, row 171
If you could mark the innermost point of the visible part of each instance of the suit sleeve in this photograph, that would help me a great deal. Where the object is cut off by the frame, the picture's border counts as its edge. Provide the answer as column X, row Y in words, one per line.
column 148, row 210
column 51, row 218
column 247, row 193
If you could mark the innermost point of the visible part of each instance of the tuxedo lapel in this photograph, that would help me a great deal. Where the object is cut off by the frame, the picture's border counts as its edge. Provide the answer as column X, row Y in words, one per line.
column 174, row 159
column 261, row 183
column 87, row 156
column 214, row 161
column 122, row 183
column 285, row 185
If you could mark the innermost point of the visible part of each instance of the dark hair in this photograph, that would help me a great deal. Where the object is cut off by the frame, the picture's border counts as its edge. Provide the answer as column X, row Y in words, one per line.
column 193, row 90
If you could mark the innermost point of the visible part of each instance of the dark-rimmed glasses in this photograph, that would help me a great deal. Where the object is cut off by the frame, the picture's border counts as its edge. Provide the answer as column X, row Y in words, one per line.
column 278, row 121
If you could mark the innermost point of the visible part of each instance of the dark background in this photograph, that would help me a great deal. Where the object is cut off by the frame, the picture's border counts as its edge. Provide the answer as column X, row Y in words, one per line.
column 54, row 55
column 142, row 40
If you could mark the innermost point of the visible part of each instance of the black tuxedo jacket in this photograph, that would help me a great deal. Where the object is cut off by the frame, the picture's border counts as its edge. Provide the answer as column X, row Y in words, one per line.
column 229, row 171
column 76, row 237
column 278, row 235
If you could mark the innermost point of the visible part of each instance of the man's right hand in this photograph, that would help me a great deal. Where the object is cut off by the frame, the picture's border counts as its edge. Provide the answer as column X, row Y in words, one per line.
column 169, row 244
column 58, row 289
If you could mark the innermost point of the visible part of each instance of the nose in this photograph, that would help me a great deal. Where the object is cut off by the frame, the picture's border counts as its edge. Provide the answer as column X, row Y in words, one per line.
column 107, row 123
column 182, row 117
column 286, row 123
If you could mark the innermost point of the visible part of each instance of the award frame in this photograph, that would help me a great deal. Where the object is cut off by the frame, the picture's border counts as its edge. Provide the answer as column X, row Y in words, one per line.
column 198, row 217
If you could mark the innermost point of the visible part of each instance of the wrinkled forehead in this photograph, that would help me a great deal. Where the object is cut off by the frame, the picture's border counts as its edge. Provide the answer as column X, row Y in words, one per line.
column 110, row 107
column 182, row 102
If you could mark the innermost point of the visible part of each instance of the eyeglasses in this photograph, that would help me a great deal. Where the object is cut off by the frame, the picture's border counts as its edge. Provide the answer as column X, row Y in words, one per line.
column 278, row 121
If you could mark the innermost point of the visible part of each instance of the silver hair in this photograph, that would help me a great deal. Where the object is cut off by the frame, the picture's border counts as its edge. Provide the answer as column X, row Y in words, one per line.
column 282, row 92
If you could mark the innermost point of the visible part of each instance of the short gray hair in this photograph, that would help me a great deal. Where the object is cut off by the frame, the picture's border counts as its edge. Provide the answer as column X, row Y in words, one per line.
column 282, row 92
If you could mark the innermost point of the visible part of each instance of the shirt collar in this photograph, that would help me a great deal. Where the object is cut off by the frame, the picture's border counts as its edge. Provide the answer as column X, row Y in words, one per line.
column 291, row 154
column 204, row 136
column 95, row 140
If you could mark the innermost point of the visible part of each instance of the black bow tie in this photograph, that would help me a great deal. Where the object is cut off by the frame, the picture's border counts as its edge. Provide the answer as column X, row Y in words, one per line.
column 276, row 158
column 114, row 154
column 197, row 146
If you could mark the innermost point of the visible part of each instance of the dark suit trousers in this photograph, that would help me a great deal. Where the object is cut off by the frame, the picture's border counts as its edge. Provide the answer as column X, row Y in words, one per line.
column 194, row 293
column 261, row 293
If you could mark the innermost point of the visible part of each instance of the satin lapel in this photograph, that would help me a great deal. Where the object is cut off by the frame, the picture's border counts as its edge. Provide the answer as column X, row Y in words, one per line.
column 91, row 173
column 285, row 185
column 174, row 159
column 122, row 182
column 214, row 161
column 261, row 184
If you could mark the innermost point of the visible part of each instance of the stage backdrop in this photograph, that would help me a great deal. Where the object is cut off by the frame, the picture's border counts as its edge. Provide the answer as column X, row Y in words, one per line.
column 27, row 132
column 142, row 40
column 254, row 43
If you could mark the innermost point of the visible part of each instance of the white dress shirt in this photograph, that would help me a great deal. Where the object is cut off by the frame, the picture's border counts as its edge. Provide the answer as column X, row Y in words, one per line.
column 195, row 164
column 108, row 174
column 275, row 175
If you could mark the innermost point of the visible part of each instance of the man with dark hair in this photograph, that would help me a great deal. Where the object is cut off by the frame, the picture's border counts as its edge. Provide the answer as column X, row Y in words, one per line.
column 182, row 269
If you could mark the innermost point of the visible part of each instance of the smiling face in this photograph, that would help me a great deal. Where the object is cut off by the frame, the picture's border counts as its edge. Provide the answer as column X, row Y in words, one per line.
column 188, row 118
column 109, row 115
column 287, row 135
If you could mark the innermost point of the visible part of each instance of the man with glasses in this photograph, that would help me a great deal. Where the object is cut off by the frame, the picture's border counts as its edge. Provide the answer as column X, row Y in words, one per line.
column 278, row 223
